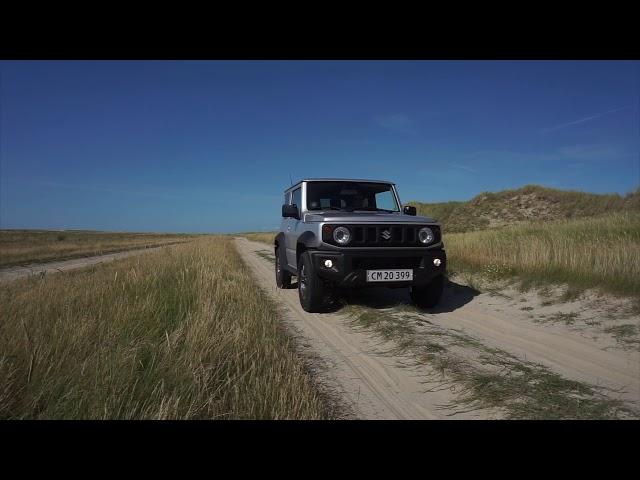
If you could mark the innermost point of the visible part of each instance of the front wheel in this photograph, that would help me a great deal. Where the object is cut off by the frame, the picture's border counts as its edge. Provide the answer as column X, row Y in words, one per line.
column 310, row 287
column 429, row 295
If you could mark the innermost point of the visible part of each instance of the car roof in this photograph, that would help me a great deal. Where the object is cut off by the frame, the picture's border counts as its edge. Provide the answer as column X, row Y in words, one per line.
column 337, row 180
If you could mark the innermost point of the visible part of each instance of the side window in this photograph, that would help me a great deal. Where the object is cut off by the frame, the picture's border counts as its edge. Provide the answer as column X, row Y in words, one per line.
column 287, row 198
column 385, row 200
column 297, row 198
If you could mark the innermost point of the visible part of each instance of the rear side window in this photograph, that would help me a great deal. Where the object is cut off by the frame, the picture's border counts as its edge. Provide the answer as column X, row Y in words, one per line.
column 297, row 198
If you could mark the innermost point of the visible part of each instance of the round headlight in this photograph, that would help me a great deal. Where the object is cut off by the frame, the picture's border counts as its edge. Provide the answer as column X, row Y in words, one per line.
column 342, row 235
column 425, row 235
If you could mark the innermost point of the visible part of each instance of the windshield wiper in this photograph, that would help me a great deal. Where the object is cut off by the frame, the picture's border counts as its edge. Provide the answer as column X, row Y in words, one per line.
column 371, row 209
column 349, row 209
column 322, row 209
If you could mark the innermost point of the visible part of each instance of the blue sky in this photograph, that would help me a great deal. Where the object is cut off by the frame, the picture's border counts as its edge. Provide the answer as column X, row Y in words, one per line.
column 209, row 146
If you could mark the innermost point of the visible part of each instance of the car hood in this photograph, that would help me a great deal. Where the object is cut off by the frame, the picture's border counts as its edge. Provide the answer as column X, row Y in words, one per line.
column 365, row 217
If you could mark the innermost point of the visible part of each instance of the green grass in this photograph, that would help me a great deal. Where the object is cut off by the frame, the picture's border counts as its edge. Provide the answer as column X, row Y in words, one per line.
column 164, row 335
column 601, row 252
column 566, row 318
column 489, row 378
column 625, row 334
column 262, row 237
column 529, row 203
column 31, row 246
column 267, row 256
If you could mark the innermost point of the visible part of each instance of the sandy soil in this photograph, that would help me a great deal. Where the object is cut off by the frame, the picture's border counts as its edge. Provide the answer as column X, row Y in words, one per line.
column 576, row 351
column 383, row 386
column 374, row 385
column 9, row 274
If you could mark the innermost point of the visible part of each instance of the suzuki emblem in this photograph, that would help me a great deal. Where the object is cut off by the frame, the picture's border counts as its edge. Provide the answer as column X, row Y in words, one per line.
column 386, row 234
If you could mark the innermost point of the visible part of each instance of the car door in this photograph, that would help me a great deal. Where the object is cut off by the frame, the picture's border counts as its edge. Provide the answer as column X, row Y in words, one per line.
column 291, row 236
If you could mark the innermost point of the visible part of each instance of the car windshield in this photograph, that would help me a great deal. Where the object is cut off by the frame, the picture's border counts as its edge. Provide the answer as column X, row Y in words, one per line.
column 351, row 196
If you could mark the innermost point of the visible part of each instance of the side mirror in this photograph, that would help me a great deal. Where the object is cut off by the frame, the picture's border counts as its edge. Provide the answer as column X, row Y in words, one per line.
column 290, row 211
column 409, row 210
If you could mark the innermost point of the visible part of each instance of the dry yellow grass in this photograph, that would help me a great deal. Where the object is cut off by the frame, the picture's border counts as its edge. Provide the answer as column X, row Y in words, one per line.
column 29, row 246
column 602, row 252
column 590, row 252
column 179, row 333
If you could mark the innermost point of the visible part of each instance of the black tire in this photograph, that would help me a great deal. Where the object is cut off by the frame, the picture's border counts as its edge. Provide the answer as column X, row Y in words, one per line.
column 311, row 288
column 429, row 295
column 283, row 278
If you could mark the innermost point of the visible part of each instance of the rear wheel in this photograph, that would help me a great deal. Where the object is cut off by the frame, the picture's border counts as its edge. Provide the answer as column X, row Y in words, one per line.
column 311, row 288
column 429, row 295
column 283, row 278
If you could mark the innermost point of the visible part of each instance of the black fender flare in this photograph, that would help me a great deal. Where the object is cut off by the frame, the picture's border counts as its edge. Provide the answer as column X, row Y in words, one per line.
column 278, row 240
column 279, row 248
column 307, row 241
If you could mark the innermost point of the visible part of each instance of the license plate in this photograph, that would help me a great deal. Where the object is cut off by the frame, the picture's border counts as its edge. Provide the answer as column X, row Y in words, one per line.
column 389, row 275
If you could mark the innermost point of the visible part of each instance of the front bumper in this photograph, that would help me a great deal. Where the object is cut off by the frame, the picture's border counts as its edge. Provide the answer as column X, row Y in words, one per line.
column 349, row 268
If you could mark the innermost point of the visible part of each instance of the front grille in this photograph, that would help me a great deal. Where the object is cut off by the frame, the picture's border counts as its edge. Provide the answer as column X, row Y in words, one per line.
column 384, row 235
column 385, row 263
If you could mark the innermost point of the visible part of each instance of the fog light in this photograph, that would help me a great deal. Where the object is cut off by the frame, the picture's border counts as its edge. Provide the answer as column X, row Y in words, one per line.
column 437, row 262
column 328, row 263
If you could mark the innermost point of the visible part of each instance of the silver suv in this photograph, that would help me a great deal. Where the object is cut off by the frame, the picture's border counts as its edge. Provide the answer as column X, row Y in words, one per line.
column 354, row 233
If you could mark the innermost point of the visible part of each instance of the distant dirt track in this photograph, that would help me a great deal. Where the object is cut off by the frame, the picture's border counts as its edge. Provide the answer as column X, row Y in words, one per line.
column 9, row 274
column 378, row 387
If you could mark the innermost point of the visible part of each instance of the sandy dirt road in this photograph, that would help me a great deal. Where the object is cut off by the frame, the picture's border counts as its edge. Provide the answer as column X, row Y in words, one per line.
column 9, row 274
column 374, row 386
column 378, row 386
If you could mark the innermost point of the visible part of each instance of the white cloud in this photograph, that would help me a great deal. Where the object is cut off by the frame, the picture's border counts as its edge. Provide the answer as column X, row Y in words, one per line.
column 463, row 167
column 587, row 152
column 396, row 122
column 582, row 120
column 506, row 155
column 96, row 189
column 578, row 153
